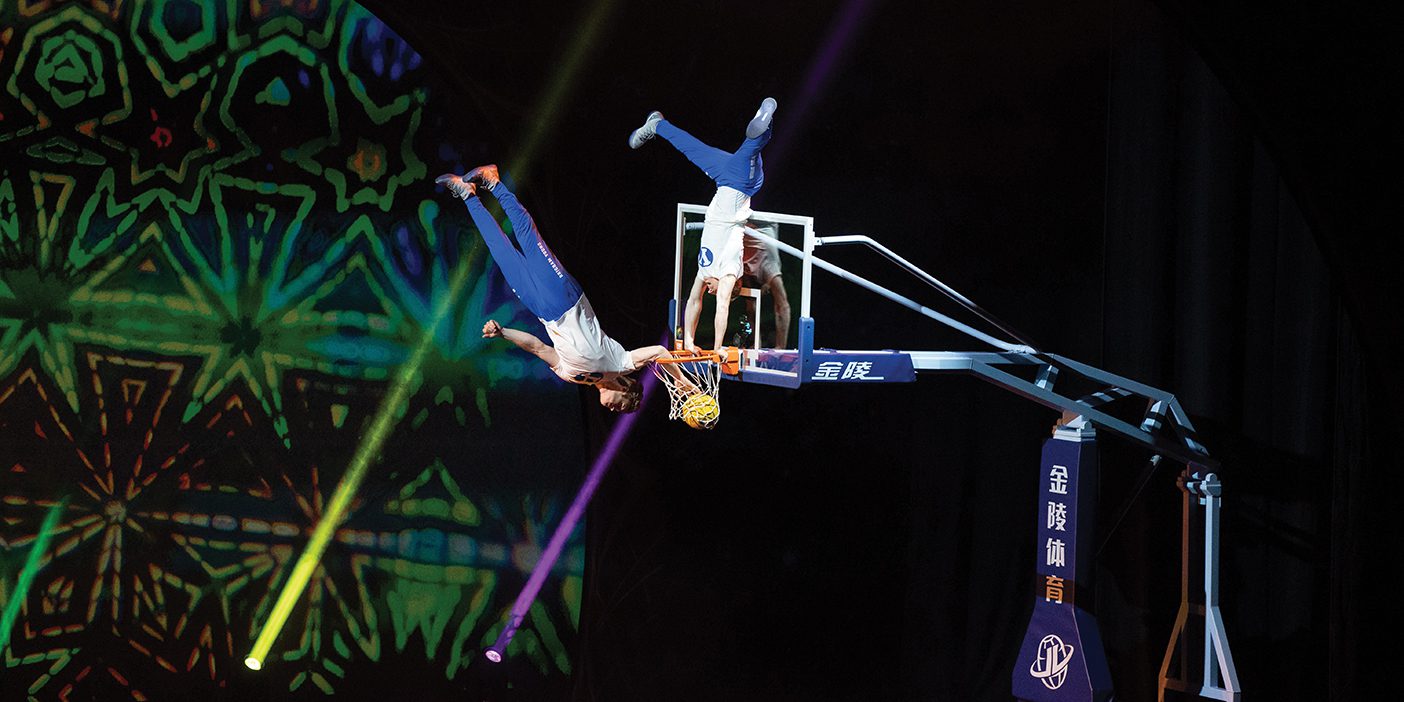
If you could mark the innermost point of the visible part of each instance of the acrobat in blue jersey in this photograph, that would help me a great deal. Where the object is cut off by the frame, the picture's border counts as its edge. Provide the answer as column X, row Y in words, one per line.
column 738, row 175
column 582, row 352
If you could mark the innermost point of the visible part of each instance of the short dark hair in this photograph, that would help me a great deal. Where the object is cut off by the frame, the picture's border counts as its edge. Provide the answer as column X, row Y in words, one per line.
column 633, row 392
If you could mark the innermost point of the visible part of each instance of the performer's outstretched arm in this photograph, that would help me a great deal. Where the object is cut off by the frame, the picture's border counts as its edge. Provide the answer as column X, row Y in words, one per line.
column 523, row 340
column 645, row 355
column 691, row 313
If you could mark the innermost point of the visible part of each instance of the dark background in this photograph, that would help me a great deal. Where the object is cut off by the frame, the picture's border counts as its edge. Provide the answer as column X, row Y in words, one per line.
column 1201, row 196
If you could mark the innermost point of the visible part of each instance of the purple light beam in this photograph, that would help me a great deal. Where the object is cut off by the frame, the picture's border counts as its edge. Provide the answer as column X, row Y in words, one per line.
column 841, row 33
column 603, row 461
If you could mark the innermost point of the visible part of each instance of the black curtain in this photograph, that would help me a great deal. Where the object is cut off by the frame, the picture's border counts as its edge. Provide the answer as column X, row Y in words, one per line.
column 1216, row 287
column 1318, row 85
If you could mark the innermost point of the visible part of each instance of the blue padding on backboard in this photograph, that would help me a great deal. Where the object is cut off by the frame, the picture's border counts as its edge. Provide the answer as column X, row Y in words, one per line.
column 806, row 345
column 790, row 368
column 780, row 360
column 762, row 377
column 781, row 367
column 777, row 367
column 829, row 366
column 673, row 323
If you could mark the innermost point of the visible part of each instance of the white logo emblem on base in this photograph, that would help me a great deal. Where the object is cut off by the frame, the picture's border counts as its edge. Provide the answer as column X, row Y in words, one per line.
column 1050, row 664
column 704, row 257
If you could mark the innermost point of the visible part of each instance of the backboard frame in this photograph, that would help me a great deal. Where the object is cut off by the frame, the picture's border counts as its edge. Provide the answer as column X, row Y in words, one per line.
column 750, row 368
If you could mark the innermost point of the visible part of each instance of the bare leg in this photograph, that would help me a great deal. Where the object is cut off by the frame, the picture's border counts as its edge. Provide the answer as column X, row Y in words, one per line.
column 776, row 286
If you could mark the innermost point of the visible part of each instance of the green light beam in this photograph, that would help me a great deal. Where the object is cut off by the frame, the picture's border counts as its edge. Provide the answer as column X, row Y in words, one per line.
column 371, row 442
column 29, row 571
column 548, row 111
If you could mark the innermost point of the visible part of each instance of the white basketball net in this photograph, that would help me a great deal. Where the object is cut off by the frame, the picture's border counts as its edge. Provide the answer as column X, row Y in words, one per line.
column 686, row 381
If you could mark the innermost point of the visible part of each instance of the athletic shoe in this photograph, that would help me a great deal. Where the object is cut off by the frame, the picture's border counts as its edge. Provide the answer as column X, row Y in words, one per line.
column 646, row 132
column 761, row 121
column 486, row 176
column 460, row 188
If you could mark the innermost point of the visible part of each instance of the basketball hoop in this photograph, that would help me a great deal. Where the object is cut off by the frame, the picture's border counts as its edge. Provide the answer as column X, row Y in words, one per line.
column 693, row 380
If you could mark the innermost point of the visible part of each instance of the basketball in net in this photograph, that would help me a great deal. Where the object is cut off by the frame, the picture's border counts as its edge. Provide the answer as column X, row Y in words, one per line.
column 693, row 379
column 701, row 411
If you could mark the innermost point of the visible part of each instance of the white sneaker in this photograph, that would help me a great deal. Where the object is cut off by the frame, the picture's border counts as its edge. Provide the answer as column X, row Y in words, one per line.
column 460, row 188
column 761, row 121
column 646, row 132
column 485, row 176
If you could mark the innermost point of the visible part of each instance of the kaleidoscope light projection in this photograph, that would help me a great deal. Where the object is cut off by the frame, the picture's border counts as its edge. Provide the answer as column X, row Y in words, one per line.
column 217, row 246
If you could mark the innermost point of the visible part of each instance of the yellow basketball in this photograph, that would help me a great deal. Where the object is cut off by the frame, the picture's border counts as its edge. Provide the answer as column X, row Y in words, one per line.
column 700, row 411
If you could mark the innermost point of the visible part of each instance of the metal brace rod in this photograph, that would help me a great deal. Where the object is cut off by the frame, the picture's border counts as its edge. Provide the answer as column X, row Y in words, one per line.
column 899, row 299
column 1041, row 390
column 930, row 280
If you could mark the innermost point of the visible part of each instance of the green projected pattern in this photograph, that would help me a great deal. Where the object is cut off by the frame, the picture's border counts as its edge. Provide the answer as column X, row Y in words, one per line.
column 217, row 244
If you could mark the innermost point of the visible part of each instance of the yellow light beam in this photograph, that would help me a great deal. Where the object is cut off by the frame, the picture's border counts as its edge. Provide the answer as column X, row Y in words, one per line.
column 548, row 110
column 374, row 438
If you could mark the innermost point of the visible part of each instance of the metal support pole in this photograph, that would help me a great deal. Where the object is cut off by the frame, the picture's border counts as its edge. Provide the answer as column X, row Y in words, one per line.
column 1061, row 659
column 1218, row 676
